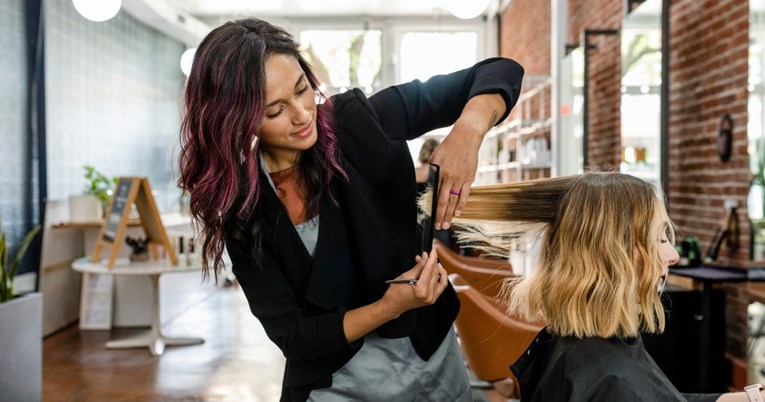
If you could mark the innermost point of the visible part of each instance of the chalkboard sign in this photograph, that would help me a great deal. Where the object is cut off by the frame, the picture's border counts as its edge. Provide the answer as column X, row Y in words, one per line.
column 117, row 209
column 129, row 191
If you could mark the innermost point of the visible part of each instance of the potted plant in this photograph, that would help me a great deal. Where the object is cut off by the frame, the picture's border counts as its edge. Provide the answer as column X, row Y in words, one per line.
column 91, row 204
column 8, row 271
column 21, row 332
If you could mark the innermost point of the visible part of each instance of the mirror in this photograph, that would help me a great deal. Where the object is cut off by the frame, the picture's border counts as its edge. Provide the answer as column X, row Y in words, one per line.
column 756, row 126
column 641, row 92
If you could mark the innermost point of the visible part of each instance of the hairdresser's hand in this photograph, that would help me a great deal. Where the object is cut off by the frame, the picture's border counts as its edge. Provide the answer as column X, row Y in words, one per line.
column 458, row 154
column 458, row 157
column 432, row 280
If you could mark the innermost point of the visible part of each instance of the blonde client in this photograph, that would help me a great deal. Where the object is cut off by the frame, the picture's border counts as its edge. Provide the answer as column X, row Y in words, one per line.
column 606, row 247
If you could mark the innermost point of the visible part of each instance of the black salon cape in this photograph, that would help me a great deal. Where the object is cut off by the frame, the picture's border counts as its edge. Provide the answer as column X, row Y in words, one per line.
column 369, row 236
column 593, row 369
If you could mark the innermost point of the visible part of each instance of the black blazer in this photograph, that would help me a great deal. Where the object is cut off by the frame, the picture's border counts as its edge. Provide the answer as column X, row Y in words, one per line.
column 368, row 237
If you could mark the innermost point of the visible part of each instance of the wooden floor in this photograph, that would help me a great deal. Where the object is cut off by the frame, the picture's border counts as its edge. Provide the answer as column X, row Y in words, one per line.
column 236, row 362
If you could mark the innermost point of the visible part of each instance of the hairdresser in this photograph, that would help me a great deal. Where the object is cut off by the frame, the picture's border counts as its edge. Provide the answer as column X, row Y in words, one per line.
column 315, row 203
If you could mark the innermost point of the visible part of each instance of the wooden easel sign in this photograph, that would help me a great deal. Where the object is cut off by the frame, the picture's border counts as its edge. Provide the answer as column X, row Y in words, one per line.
column 129, row 191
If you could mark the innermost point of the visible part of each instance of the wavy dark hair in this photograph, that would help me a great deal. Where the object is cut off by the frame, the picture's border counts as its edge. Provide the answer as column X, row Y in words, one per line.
column 224, row 107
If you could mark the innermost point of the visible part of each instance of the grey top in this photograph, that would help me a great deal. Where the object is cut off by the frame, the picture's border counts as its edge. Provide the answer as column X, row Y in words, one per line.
column 308, row 231
column 390, row 370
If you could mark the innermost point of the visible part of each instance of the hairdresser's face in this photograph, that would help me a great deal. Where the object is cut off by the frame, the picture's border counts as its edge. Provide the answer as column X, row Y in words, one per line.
column 668, row 253
column 289, row 123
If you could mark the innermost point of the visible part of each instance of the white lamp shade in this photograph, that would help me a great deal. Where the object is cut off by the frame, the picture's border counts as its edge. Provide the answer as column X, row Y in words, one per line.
column 97, row 10
column 467, row 9
column 187, row 58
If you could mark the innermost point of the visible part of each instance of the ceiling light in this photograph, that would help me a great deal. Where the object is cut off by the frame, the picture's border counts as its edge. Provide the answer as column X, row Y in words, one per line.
column 97, row 10
column 187, row 58
column 467, row 9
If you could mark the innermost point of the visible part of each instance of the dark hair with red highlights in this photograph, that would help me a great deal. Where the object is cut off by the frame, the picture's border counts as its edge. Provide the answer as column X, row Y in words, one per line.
column 224, row 108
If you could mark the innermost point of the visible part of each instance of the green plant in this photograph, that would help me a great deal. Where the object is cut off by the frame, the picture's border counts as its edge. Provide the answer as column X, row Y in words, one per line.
column 8, row 272
column 99, row 185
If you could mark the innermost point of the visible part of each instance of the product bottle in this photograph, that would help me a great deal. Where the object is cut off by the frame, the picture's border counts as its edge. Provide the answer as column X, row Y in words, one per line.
column 732, row 239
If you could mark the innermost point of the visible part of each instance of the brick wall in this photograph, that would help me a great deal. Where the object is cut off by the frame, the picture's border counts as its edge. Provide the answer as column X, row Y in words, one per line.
column 708, row 77
column 525, row 35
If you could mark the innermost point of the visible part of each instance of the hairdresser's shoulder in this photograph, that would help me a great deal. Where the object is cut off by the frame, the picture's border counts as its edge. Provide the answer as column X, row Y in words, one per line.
column 343, row 101
column 353, row 107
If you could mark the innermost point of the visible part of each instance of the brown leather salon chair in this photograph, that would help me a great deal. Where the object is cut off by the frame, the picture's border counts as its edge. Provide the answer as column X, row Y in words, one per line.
column 483, row 274
column 490, row 339
column 483, row 261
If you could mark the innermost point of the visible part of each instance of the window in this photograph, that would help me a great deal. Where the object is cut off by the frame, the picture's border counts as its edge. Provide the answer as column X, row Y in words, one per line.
column 386, row 52
column 343, row 59
column 425, row 54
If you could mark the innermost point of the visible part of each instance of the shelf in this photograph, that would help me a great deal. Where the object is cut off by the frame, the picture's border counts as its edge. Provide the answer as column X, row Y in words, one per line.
column 487, row 168
column 508, row 165
column 520, row 128
column 536, row 127
column 169, row 219
column 497, row 131
column 530, row 119
column 528, row 166
column 90, row 225
column 512, row 165
column 535, row 91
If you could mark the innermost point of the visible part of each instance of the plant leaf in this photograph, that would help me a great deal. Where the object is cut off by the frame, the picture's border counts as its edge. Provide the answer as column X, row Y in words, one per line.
column 4, row 291
column 3, row 255
column 22, row 250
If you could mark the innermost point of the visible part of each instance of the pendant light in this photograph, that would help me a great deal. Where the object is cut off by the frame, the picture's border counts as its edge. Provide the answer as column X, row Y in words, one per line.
column 97, row 10
column 467, row 9
column 187, row 58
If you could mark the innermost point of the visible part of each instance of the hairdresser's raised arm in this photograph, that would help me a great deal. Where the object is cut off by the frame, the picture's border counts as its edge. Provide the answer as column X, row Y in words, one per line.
column 458, row 154
column 473, row 99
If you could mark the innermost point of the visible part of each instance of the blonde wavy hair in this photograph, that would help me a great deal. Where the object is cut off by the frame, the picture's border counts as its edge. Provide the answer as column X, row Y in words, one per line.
column 599, row 264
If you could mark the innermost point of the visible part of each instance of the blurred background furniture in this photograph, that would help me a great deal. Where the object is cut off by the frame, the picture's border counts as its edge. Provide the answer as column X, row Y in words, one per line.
column 155, row 340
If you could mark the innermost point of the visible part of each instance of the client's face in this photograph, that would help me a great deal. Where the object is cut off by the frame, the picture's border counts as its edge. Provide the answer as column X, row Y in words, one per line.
column 667, row 252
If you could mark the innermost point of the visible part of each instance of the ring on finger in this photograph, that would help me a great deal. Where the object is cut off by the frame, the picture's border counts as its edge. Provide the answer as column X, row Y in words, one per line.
column 455, row 192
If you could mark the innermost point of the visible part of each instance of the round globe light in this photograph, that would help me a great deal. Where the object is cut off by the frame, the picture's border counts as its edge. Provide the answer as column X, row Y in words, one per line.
column 467, row 9
column 97, row 10
column 187, row 58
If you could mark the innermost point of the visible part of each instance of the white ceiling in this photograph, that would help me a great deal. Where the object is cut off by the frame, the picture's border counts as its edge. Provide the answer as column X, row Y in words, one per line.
column 311, row 8
column 190, row 20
